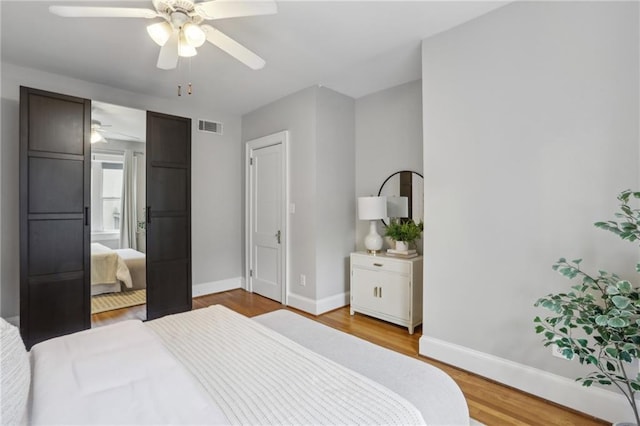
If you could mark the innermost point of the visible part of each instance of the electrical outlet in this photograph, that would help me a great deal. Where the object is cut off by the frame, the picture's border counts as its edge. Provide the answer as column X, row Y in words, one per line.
column 557, row 352
column 303, row 280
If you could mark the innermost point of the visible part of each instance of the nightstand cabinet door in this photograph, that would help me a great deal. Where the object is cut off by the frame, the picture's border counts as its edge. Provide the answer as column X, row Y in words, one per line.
column 382, row 292
column 387, row 288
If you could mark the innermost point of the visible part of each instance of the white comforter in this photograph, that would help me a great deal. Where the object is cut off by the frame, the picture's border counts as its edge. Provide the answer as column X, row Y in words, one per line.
column 259, row 377
column 118, row 374
column 124, row 374
column 107, row 267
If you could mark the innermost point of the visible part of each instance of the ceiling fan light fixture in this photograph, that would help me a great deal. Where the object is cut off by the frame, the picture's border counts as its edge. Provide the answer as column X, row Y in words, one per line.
column 193, row 34
column 184, row 48
column 160, row 32
column 96, row 137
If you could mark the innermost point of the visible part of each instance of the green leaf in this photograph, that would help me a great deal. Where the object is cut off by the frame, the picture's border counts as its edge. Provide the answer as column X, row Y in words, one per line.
column 611, row 366
column 539, row 329
column 617, row 322
column 624, row 286
column 582, row 342
column 611, row 290
column 587, row 329
column 613, row 352
column 602, row 320
column 587, row 383
column 621, row 302
column 576, row 261
column 592, row 360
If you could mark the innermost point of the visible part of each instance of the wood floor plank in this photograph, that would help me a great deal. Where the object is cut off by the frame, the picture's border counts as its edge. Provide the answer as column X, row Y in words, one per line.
column 489, row 402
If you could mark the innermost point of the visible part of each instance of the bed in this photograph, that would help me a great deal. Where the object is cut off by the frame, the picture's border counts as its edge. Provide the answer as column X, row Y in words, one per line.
column 215, row 366
column 111, row 269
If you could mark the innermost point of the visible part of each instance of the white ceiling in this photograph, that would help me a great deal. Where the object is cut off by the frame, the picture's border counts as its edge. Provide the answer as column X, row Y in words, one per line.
column 353, row 47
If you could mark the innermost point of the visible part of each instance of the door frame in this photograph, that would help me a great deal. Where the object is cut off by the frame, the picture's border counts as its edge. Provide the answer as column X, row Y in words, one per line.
column 281, row 138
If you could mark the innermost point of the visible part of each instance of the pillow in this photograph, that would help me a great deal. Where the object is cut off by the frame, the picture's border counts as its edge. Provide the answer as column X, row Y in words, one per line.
column 15, row 375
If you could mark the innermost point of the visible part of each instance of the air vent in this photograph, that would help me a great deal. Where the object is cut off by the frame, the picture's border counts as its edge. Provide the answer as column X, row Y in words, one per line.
column 210, row 127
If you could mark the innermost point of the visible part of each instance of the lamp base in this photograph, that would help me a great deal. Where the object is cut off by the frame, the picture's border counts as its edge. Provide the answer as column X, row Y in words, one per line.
column 373, row 241
column 374, row 252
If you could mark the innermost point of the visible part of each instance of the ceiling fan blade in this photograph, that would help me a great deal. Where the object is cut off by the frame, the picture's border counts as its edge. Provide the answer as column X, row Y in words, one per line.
column 220, row 9
column 102, row 12
column 233, row 48
column 168, row 58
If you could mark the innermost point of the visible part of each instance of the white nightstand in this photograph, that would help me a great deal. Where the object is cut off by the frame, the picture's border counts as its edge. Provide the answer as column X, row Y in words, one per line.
column 388, row 288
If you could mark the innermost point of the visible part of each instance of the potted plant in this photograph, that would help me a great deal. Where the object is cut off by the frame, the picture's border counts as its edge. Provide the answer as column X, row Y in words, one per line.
column 404, row 232
column 598, row 321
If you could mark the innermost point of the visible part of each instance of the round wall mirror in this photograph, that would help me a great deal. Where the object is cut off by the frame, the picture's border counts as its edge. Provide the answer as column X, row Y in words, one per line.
column 406, row 183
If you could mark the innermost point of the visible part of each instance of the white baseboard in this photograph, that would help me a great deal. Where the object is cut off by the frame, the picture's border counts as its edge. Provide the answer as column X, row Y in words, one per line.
column 317, row 307
column 595, row 401
column 216, row 286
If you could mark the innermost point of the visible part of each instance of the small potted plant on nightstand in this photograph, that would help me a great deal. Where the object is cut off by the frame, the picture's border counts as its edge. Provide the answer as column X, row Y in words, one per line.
column 404, row 232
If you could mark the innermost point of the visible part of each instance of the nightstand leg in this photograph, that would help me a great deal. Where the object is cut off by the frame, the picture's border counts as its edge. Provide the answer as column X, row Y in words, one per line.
column 410, row 329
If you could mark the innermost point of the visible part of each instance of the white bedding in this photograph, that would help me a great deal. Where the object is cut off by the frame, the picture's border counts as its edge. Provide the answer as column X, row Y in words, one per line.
column 124, row 374
column 259, row 377
column 118, row 374
column 107, row 270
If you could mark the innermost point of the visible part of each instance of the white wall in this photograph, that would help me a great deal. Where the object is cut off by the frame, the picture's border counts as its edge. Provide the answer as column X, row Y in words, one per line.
column 335, row 190
column 320, row 125
column 297, row 114
column 530, row 131
column 388, row 139
column 216, row 177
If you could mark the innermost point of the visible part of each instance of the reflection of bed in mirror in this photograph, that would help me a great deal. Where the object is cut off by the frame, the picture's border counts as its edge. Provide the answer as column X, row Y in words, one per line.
column 114, row 270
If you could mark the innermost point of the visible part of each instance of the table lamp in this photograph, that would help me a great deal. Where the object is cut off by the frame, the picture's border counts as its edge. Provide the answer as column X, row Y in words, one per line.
column 372, row 209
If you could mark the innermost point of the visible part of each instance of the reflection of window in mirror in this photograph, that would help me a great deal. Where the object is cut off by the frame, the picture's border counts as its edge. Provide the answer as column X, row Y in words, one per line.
column 106, row 186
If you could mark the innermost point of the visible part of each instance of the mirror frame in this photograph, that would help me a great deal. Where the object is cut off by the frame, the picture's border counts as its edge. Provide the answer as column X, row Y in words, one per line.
column 392, row 175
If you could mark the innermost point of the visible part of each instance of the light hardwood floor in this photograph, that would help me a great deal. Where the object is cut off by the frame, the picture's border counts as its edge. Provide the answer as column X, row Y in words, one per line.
column 489, row 402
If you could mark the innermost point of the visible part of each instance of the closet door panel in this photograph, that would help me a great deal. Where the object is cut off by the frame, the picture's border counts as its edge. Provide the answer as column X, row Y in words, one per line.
column 53, row 124
column 57, row 300
column 175, row 295
column 169, row 214
column 174, row 199
column 47, row 237
column 54, row 205
column 166, row 133
column 55, row 186
column 172, row 241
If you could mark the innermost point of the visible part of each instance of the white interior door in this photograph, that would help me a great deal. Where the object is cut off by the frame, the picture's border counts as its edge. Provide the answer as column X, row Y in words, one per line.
column 267, row 208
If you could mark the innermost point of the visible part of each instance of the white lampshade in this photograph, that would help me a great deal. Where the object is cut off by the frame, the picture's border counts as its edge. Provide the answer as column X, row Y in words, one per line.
column 397, row 206
column 194, row 35
column 160, row 32
column 372, row 208
column 184, row 48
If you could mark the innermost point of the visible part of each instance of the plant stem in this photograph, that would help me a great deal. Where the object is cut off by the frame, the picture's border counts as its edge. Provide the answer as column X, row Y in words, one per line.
column 632, row 398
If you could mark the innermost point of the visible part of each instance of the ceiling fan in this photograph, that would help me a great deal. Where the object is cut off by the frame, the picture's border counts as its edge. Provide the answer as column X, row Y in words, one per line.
column 98, row 130
column 181, row 30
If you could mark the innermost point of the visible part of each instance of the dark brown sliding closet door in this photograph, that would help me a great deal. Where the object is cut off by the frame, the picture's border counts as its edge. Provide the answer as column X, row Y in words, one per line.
column 54, row 218
column 168, row 214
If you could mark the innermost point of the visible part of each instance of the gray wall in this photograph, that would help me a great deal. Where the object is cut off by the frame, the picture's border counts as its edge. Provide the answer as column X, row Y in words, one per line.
column 321, row 155
column 216, row 177
column 297, row 114
column 335, row 190
column 530, row 132
column 388, row 139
